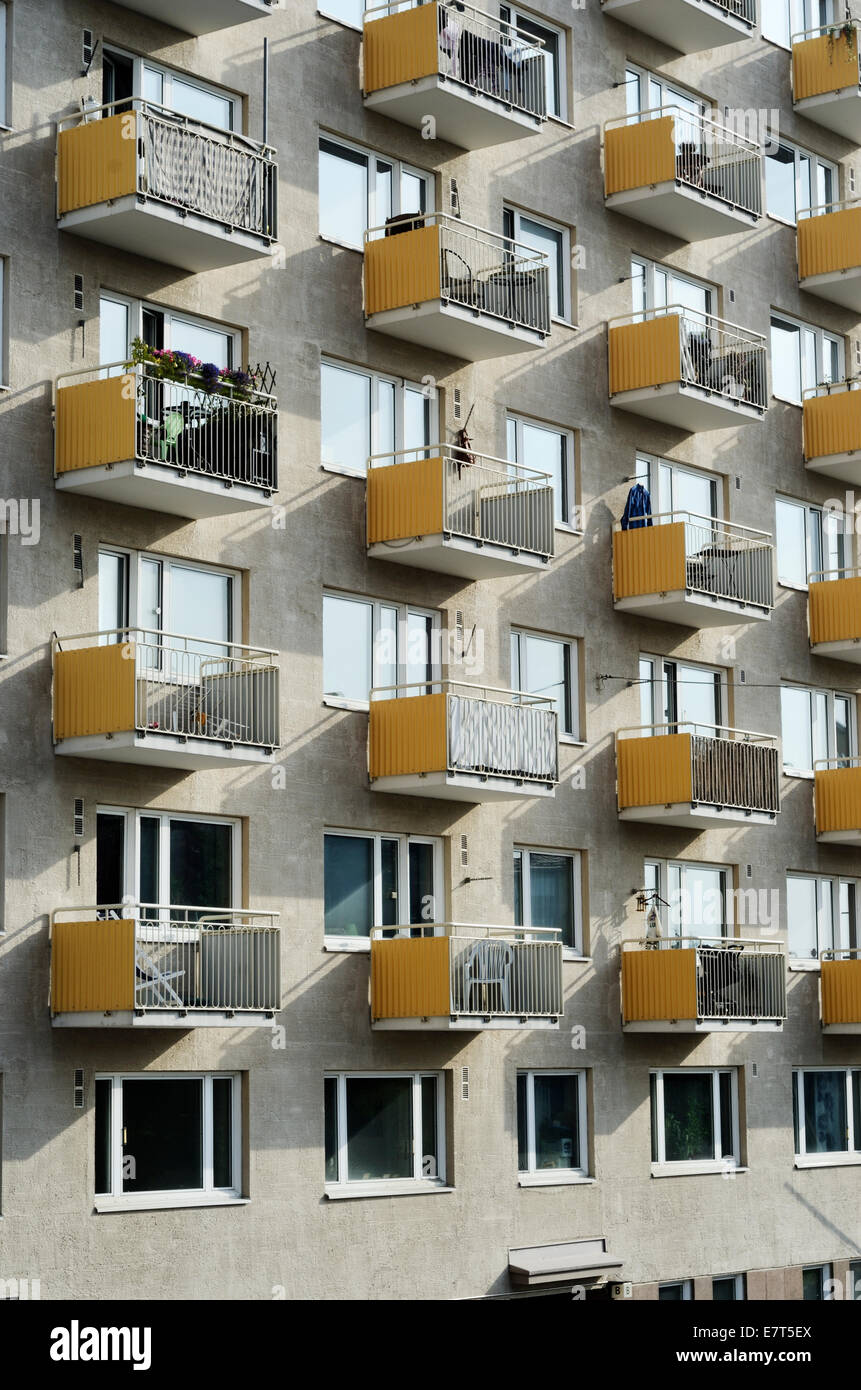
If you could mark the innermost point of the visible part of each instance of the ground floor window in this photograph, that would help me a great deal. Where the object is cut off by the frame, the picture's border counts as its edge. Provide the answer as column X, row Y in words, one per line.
column 551, row 1122
column 695, row 1117
column 384, row 1128
column 826, row 1107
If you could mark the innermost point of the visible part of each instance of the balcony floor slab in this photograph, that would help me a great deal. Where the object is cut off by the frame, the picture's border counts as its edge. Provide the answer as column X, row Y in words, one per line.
column 697, row 816
column 197, row 18
column 840, row 837
column 463, row 1024
column 685, row 26
column 692, row 610
column 846, row 1029
column 161, row 233
column 462, row 115
column 837, row 111
column 844, row 468
column 687, row 213
column 841, row 287
column 705, row 1025
column 689, row 408
column 158, row 488
column 166, row 1018
column 469, row 334
column 848, row 650
column 457, row 555
column 161, row 750
column 461, row 786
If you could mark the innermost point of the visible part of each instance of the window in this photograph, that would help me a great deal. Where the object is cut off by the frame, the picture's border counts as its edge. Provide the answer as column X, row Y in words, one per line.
column 550, row 451
column 674, row 487
column 815, row 1282
column 551, row 240
column 728, row 1288
column 695, row 1119
column 700, row 903
column 783, row 18
column 853, row 1281
column 125, row 76
column 796, row 180
column 548, row 893
column 655, row 287
column 548, row 666
column 196, row 603
column 681, row 1291
column 815, row 724
column 359, row 190
column 121, row 320
column 384, row 1129
column 368, row 644
column 363, row 413
column 809, row 541
column 802, row 357
column 551, row 1124
column 187, row 863
column 821, row 915
column 373, row 880
column 647, row 91
column 176, row 1136
column 348, row 12
column 553, row 40
column 826, row 1113
column 677, row 692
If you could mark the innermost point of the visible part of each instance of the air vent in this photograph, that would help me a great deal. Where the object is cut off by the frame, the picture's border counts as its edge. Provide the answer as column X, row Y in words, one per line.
column 454, row 198
column 464, row 1083
column 78, row 558
column 79, row 817
column 79, row 1088
column 456, row 403
column 79, row 292
column 464, row 851
column 89, row 44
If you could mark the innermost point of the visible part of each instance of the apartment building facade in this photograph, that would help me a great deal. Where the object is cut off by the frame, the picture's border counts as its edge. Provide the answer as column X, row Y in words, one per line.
column 420, row 882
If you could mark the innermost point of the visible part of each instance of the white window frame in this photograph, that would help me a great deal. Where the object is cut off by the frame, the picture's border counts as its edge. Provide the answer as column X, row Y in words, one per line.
column 189, row 79
column 574, row 952
column 338, row 19
column 836, row 1158
column 572, row 517
column 722, row 1162
column 821, row 336
column 738, row 1284
column 832, row 885
column 404, row 839
column 515, row 14
column 132, row 815
column 208, row 1194
column 824, row 519
column 559, row 229
column 570, row 645
column 686, row 1286
column 403, row 609
column 662, row 867
column 650, row 473
column 799, row 153
column 659, row 665
column 532, row 1175
column 135, row 309
column 669, row 92
column 374, row 217
column 389, row 1186
column 652, row 269
column 171, row 567
column 799, row 24
column 401, row 385
column 831, row 731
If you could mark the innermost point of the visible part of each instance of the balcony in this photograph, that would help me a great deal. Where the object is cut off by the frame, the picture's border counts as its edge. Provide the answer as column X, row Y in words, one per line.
column 157, row 184
column 198, row 18
column 465, row 978
column 840, row 991
column 831, row 416
column 837, row 797
column 446, row 285
column 688, row 26
column 456, row 513
column 682, row 173
column 462, row 742
column 141, row 966
column 834, row 614
column 693, row 570
column 829, row 253
column 687, row 369
column 139, row 696
column 702, row 777
column 481, row 82
column 826, row 82
column 169, row 446
column 703, row 985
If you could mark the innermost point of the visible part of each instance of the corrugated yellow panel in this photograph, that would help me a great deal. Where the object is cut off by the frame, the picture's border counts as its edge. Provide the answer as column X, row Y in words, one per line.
column 841, row 991
column 838, row 799
column 410, row 977
column 644, row 354
column 834, row 610
column 407, row 736
column 400, row 48
column 402, row 270
column 654, row 771
column 95, row 423
column 828, row 243
column 832, row 424
column 94, row 691
column 405, row 500
column 824, row 64
column 638, row 155
column 92, row 967
column 659, row 985
column 649, row 560
column 96, row 162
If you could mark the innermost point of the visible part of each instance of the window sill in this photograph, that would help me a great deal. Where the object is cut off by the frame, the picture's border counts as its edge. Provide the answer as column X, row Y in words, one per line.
column 563, row 323
column 343, row 472
column 333, row 19
column 828, row 1161
column 346, row 945
column 804, row 966
column 363, row 706
column 567, row 528
column 555, row 1179
column 572, row 741
column 788, row 584
column 694, row 1170
column 784, row 400
column 165, row 1201
column 799, row 772
column 574, row 957
column 784, row 221
column 343, row 245
column 351, row 1191
column 560, row 120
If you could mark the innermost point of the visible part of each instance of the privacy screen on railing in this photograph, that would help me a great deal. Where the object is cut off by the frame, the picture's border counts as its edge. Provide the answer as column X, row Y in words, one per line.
column 187, row 168
column 729, row 772
column 507, row 740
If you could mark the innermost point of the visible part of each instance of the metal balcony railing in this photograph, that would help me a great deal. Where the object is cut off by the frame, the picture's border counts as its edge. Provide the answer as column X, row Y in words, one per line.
column 195, row 167
column 728, row 767
column 737, row 9
column 841, row 953
column 830, row 576
column 478, row 51
column 714, row 355
column 736, row 978
column 723, row 560
column 709, row 157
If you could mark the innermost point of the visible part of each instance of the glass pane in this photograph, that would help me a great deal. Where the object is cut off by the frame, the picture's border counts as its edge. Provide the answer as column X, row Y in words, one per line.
column 688, row 1117
column 655, row 1119
column 785, row 361
column 825, row 1111
column 698, row 698
column 557, row 1136
column 819, row 706
column 694, row 297
column 522, row 1123
column 671, row 1293
column 547, row 675
column 842, row 727
column 113, row 333
column 801, row 917
column 775, row 21
column 545, row 239
column 780, row 183
column 113, row 593
column 856, row 1109
column 163, row 1135
column 200, row 608
column 390, row 906
column 809, row 359
column 152, row 86
column 383, row 435
column 812, row 1285
column 201, row 864
column 511, row 440
column 110, row 858
column 638, row 287
column 345, row 418
column 419, row 663
column 330, row 1127
column 727, row 1142
column 343, row 194
column 724, row 1290
column 545, row 450
column 222, row 1131
column 348, row 879
column 417, row 417
column 103, row 1136
column 149, row 596
column 647, row 704
column 815, row 547
column 386, row 649
column 632, row 92
column 550, row 50
column 422, row 904
column 518, row 888
column 207, row 344
column 702, row 904
column 379, row 1128
column 429, row 1166
column 693, row 492
column 200, row 105
column 382, row 193
column 847, row 936
column 148, row 869
column 346, row 648
column 551, row 883
column 795, row 729
column 413, row 193
column 791, row 543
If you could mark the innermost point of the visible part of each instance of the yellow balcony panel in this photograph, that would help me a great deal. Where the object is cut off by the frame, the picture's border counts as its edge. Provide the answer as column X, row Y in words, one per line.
column 829, row 254
column 693, row 570
column 461, row 742
column 164, row 700
column 160, row 185
column 451, row 287
column 837, row 797
column 702, row 985
column 455, row 513
column 696, row 776
column 825, row 79
column 687, row 369
column 840, row 991
column 465, row 978
column 480, row 83
column 200, row 16
column 167, row 446
column 127, row 966
column 687, row 25
column 832, row 431
column 683, row 174
column 834, row 615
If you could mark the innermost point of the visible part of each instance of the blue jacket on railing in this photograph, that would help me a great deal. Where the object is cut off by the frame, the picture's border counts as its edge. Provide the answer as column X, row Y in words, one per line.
column 638, row 508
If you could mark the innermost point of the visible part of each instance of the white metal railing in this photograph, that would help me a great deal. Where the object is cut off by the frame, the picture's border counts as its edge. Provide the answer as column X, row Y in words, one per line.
column 186, row 163
column 229, row 434
column 729, row 767
column 489, row 499
column 823, row 209
column 744, row 10
column 818, row 30
column 196, row 688
column 847, row 760
column 716, row 356
column 200, row 958
column 841, row 953
column 488, row 55
column 737, row 977
column 484, row 271
column 722, row 559
column 832, row 388
column 710, row 157
column 828, row 576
